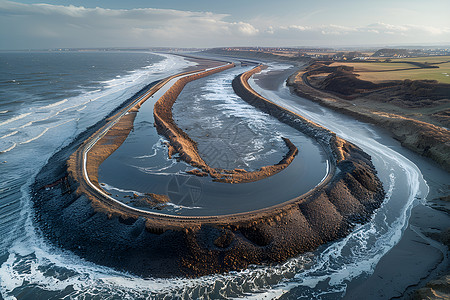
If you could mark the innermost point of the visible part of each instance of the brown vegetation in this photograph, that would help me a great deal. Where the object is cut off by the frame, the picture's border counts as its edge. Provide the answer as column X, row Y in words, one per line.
column 415, row 112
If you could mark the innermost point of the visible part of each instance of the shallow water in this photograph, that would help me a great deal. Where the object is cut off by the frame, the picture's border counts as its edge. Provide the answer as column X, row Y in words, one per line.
column 230, row 134
column 33, row 269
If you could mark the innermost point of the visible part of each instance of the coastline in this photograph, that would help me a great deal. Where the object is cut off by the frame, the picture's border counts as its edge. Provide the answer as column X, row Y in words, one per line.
column 292, row 277
column 200, row 246
column 423, row 138
column 417, row 266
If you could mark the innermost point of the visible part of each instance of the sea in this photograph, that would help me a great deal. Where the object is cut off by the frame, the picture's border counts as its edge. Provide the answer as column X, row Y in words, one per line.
column 48, row 98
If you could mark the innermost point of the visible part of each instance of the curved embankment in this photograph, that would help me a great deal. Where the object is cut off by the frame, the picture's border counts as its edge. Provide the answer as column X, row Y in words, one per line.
column 112, row 135
column 79, row 218
column 181, row 143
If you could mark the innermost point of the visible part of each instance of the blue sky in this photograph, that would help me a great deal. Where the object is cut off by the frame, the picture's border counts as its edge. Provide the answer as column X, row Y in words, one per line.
column 29, row 24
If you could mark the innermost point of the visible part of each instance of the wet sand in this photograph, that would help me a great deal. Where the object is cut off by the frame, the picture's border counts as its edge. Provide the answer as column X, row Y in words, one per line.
column 415, row 258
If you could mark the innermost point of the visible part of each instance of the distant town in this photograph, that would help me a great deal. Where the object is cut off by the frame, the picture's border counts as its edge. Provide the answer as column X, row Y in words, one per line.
column 346, row 54
column 337, row 54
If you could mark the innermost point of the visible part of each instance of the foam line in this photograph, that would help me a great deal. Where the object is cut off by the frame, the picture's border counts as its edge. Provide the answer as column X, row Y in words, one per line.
column 18, row 117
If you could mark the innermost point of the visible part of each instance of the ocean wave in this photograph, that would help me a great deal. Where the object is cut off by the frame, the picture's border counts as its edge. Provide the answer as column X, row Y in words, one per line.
column 45, row 130
column 36, row 137
column 53, row 104
column 55, row 114
column 9, row 134
column 94, row 91
column 13, row 145
column 18, row 117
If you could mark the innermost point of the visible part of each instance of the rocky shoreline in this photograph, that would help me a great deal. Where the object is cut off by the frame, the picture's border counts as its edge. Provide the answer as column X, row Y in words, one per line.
column 149, row 244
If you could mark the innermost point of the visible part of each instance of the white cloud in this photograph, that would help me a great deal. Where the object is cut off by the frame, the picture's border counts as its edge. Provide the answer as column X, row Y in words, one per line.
column 245, row 28
column 336, row 29
column 298, row 27
column 407, row 29
column 377, row 33
column 71, row 26
column 49, row 26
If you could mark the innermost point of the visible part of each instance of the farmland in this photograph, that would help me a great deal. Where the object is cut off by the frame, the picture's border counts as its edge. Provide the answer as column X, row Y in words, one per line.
column 397, row 70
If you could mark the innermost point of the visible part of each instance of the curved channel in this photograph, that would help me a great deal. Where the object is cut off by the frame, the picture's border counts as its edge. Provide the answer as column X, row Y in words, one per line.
column 237, row 136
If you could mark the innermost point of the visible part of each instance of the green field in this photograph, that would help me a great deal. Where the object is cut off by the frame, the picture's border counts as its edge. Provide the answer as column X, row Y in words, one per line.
column 428, row 59
column 378, row 72
column 375, row 66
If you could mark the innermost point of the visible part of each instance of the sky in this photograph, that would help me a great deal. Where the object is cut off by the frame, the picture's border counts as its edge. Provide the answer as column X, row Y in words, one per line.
column 49, row 24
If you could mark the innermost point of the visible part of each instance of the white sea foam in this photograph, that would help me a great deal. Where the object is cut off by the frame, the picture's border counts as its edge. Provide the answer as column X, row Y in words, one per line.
column 177, row 206
column 12, row 146
column 16, row 118
column 89, row 280
column 36, row 137
column 53, row 104
column 9, row 134
column 45, row 130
